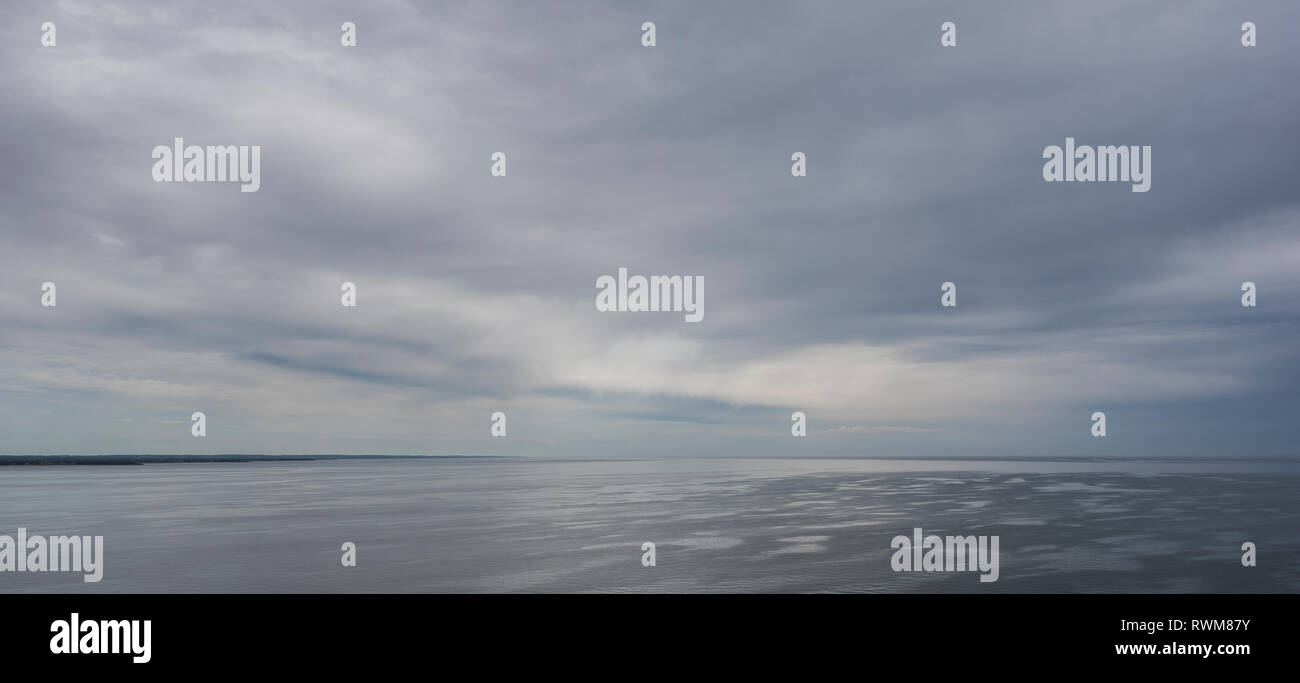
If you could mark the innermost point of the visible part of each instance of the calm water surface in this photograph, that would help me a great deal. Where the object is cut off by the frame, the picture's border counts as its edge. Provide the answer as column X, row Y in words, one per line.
column 492, row 525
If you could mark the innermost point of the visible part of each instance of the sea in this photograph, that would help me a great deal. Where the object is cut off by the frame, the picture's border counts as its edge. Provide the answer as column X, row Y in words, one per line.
column 726, row 525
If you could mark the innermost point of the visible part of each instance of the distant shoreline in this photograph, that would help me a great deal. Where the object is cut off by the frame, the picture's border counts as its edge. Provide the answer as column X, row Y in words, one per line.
column 126, row 459
column 102, row 460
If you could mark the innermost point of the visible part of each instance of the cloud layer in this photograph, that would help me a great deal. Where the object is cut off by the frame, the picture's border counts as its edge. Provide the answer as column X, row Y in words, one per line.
column 476, row 294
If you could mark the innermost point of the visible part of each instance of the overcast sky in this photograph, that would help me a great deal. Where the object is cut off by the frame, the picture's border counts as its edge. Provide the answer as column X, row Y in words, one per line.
column 476, row 294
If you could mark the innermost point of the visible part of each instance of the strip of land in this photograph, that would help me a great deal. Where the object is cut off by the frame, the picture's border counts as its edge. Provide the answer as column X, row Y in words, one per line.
column 167, row 459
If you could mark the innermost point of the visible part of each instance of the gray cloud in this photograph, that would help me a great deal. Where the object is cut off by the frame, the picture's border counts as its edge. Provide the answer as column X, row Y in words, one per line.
column 476, row 294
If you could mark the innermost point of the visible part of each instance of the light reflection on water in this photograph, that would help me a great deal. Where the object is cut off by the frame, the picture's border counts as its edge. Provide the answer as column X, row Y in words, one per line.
column 489, row 525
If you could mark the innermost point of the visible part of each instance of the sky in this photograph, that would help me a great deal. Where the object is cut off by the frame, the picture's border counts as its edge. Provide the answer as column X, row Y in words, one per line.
column 476, row 294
